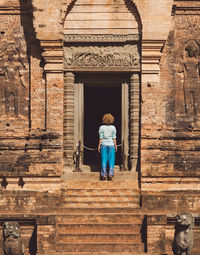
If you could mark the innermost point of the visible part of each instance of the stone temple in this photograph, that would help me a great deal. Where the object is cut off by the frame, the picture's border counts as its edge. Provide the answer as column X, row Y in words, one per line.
column 65, row 63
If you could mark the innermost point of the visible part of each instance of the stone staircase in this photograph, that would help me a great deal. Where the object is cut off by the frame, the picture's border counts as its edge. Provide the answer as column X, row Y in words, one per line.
column 100, row 218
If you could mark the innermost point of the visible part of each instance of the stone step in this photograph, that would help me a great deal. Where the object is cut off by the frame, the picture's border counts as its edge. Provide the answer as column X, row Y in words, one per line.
column 102, row 192
column 109, row 228
column 100, row 218
column 100, row 204
column 98, row 247
column 119, row 176
column 101, row 199
column 97, row 184
column 98, row 209
column 95, row 238
column 101, row 253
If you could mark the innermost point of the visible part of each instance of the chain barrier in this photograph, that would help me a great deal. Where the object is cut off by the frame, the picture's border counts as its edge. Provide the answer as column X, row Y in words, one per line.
column 87, row 148
column 77, row 154
column 90, row 149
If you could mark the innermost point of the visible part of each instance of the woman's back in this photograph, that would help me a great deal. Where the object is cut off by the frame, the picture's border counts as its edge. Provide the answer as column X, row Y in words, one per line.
column 107, row 133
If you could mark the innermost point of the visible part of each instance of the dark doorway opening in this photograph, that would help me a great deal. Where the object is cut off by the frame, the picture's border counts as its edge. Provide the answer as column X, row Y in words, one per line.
column 102, row 94
column 100, row 100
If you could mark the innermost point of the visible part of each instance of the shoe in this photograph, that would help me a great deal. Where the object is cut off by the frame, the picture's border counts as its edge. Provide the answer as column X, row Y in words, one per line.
column 103, row 178
column 109, row 178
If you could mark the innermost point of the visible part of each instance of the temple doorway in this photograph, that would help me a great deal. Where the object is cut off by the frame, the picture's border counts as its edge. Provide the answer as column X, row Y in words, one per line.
column 99, row 94
column 98, row 101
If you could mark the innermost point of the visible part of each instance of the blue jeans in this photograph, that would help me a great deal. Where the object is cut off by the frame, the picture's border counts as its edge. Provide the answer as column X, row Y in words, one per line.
column 107, row 155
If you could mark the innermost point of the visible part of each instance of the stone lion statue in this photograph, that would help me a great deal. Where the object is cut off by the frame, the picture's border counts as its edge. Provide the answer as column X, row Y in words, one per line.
column 12, row 242
column 183, row 237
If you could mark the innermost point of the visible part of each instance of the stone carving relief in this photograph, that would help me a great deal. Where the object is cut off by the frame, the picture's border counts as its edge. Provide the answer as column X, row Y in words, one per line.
column 189, row 22
column 126, row 56
column 12, row 242
column 188, row 80
column 183, row 237
column 14, row 79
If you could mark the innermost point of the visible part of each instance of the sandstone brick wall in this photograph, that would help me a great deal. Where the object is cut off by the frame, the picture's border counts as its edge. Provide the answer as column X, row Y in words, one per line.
column 25, row 145
column 31, row 113
column 171, row 147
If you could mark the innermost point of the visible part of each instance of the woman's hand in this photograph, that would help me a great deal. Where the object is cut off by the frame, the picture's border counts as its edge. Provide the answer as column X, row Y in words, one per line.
column 99, row 146
column 115, row 144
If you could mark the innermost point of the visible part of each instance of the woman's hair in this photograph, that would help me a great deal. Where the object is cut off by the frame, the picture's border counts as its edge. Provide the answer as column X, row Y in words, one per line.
column 107, row 119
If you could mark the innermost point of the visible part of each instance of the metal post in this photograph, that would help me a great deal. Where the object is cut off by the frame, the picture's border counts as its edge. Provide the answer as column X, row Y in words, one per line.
column 77, row 158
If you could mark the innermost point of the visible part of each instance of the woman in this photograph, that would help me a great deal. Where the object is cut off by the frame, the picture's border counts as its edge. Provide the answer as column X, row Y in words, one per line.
column 107, row 146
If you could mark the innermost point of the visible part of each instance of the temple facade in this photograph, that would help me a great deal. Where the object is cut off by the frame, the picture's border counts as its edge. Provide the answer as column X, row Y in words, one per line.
column 63, row 65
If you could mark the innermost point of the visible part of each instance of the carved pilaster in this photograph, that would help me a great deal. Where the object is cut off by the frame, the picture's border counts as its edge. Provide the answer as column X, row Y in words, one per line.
column 134, row 119
column 52, row 53
column 68, row 118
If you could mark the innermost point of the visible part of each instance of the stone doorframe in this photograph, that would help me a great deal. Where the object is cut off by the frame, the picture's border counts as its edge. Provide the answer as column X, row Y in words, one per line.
column 101, row 53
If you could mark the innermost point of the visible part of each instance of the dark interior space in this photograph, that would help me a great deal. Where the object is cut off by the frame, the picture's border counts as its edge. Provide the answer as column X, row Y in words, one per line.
column 99, row 101
column 102, row 94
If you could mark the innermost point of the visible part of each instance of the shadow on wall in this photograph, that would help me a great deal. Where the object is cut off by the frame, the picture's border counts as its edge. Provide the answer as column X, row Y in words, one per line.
column 33, row 242
column 32, row 43
column 143, row 232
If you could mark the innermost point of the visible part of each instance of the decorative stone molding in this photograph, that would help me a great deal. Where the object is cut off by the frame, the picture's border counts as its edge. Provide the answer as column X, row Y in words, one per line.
column 68, row 115
column 53, row 55
column 191, row 8
column 101, row 38
column 134, row 118
column 151, row 55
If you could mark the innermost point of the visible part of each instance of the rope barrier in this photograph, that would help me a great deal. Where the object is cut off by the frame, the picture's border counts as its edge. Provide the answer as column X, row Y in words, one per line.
column 77, row 154
column 91, row 149
column 87, row 148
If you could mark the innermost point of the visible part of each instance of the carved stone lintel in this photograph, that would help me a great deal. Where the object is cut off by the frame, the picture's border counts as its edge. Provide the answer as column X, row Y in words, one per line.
column 95, row 57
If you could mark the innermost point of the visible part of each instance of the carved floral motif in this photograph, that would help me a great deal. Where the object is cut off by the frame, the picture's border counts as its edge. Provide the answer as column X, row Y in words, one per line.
column 189, row 22
column 102, row 56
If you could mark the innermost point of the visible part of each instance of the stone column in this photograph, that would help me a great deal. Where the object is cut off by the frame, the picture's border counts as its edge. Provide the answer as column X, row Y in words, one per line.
column 134, row 119
column 68, row 118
